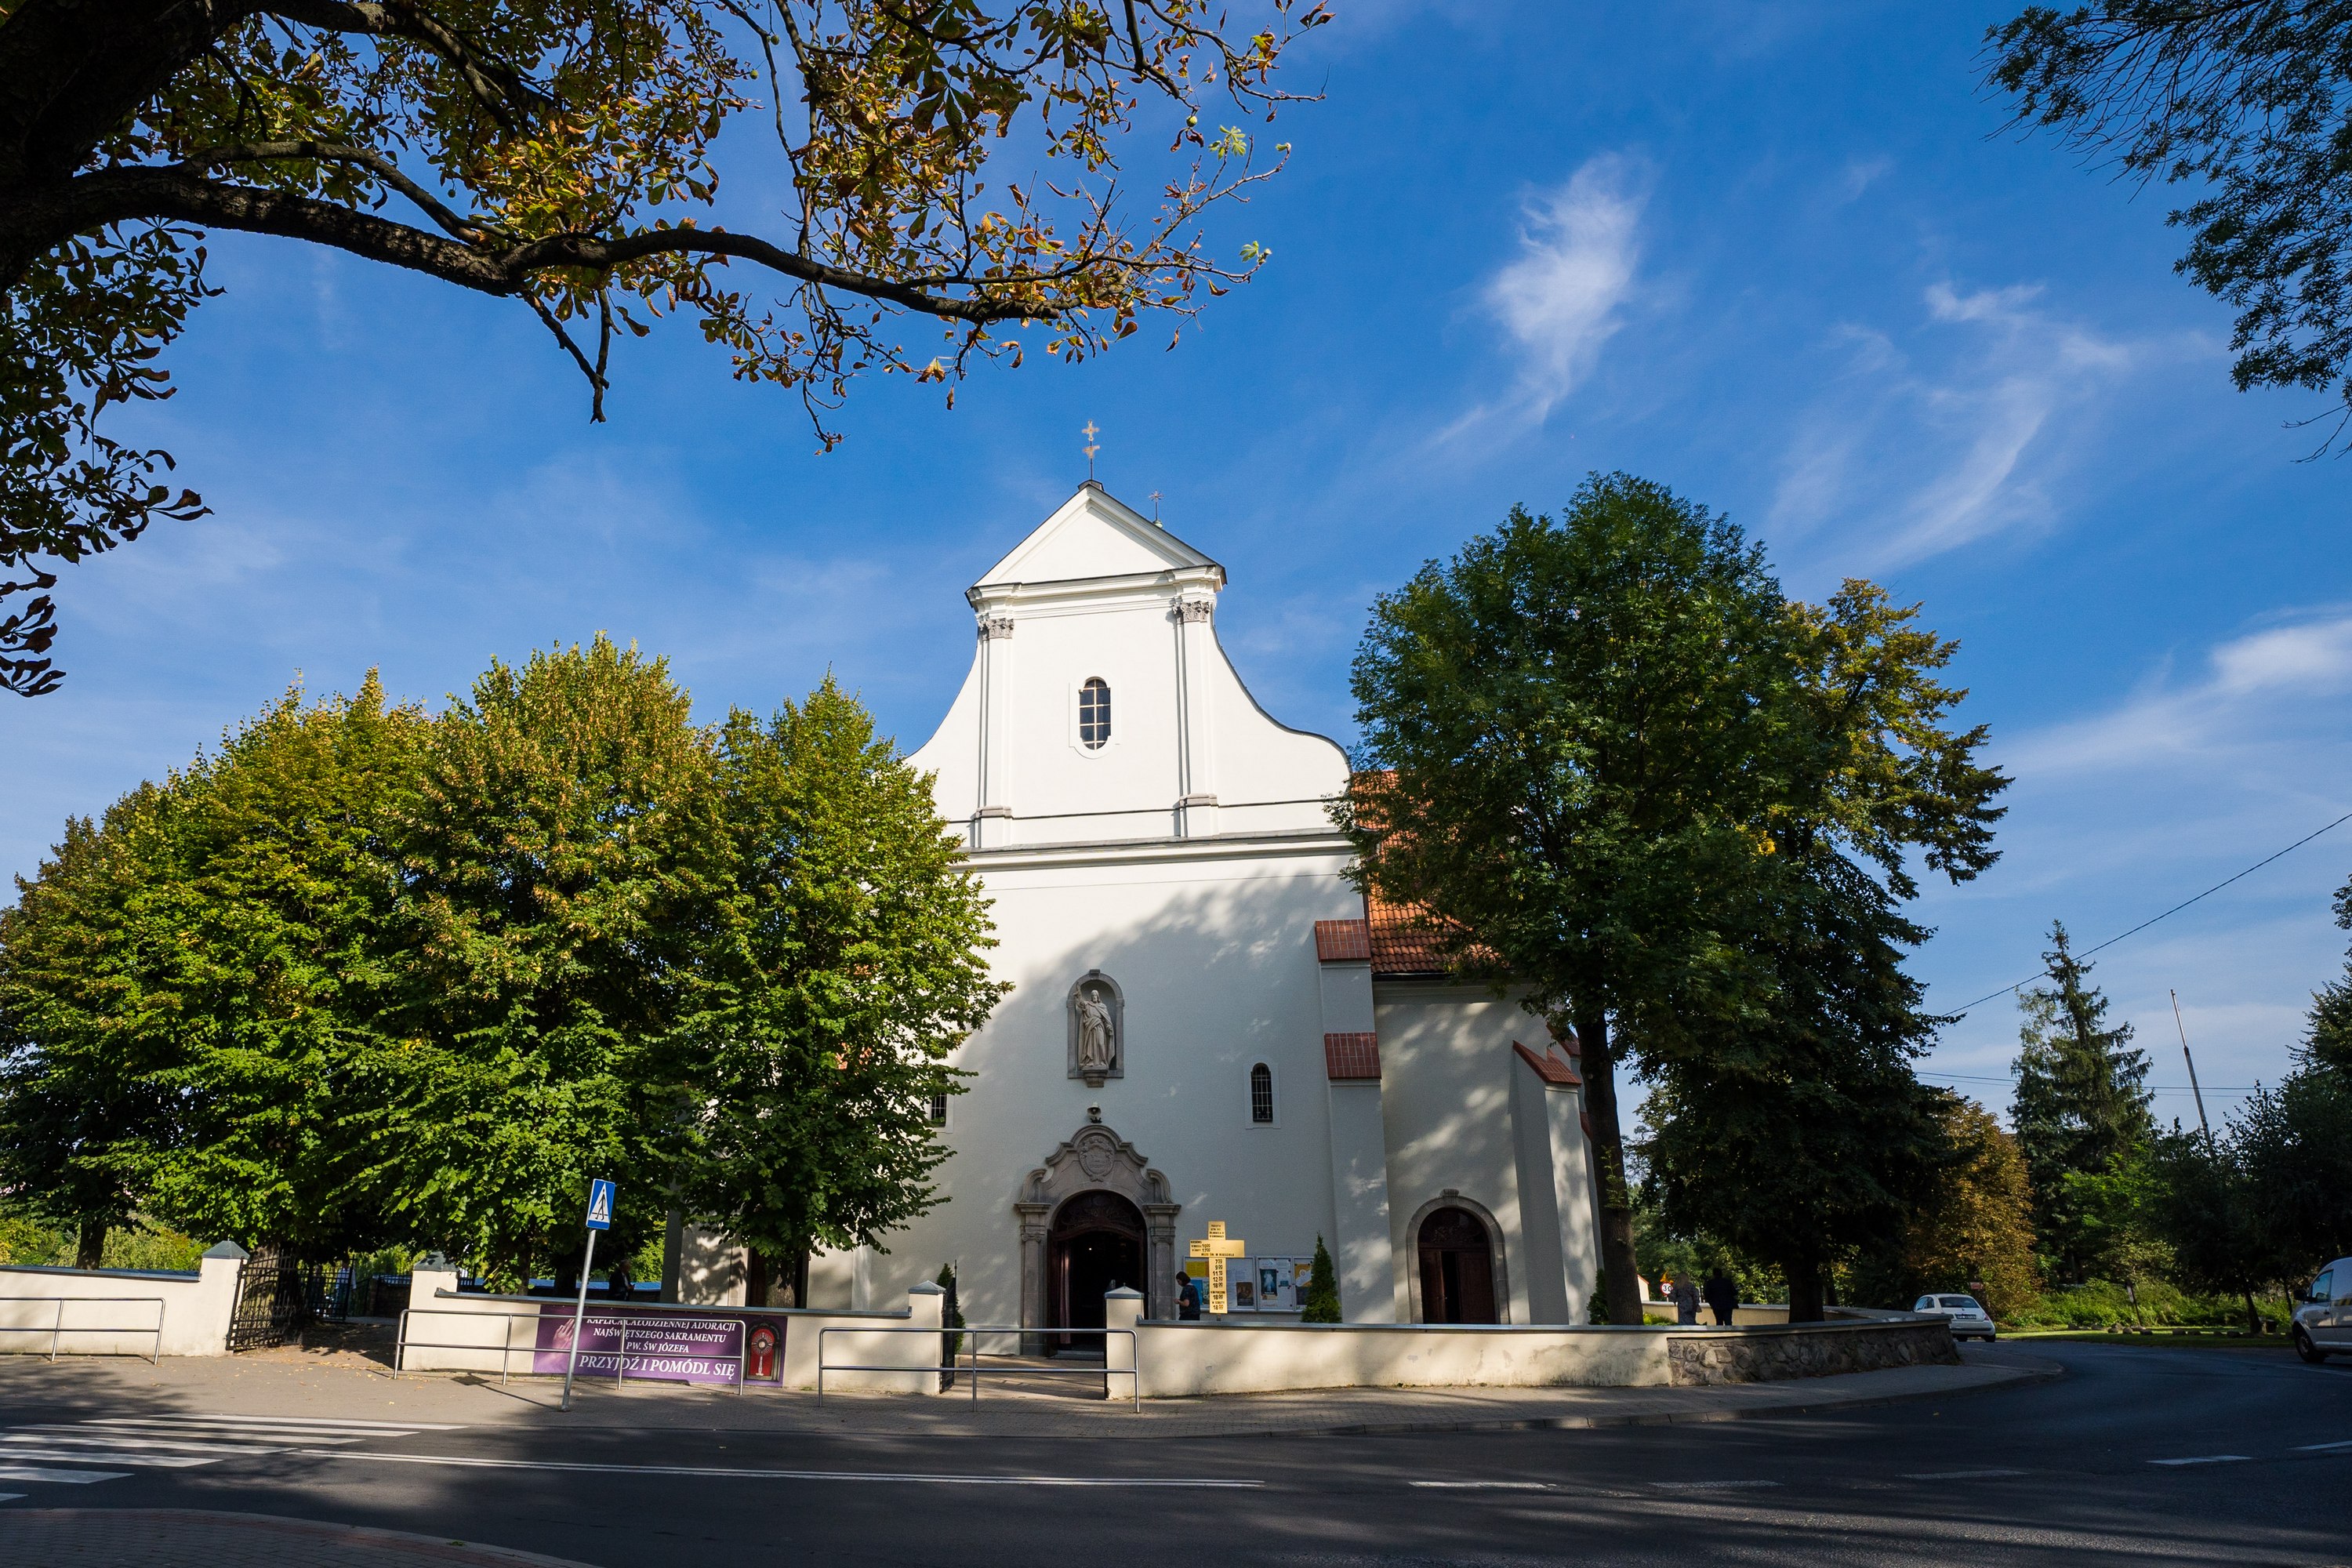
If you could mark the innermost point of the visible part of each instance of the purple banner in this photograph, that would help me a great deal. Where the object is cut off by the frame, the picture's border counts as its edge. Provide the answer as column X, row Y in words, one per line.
column 661, row 1347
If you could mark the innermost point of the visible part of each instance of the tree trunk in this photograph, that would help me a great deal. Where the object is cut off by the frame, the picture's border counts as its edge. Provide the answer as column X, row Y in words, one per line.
column 1621, row 1274
column 1804, row 1290
column 756, row 1278
column 90, row 1248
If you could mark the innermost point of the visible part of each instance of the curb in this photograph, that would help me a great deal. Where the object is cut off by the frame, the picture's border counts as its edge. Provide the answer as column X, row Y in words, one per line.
column 2018, row 1378
column 328, row 1539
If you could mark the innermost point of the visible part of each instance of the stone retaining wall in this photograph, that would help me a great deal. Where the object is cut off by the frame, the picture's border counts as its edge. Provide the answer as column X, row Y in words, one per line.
column 1701, row 1356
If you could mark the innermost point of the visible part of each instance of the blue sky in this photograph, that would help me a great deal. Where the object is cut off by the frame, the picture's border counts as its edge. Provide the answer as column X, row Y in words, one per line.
column 1777, row 256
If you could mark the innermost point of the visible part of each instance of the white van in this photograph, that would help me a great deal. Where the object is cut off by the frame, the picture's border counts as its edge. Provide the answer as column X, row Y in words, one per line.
column 2323, row 1318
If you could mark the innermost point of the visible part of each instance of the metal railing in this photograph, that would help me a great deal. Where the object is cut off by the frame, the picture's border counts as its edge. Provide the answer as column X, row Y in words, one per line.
column 56, row 1328
column 970, row 1367
column 403, row 1344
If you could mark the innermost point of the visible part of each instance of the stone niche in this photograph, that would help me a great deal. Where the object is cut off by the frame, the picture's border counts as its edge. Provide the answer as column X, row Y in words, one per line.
column 1097, row 1029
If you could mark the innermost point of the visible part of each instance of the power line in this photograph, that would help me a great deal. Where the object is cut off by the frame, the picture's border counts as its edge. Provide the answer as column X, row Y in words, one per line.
column 2167, row 914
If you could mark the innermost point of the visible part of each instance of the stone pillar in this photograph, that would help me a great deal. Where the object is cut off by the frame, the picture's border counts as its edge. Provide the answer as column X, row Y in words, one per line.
column 992, row 826
column 1196, row 657
column 1122, row 1309
column 1032, row 1274
column 926, row 1308
column 1159, row 1259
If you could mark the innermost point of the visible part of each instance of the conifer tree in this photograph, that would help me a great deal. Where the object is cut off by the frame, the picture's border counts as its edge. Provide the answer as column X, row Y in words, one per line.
column 2081, row 1110
column 1322, row 1302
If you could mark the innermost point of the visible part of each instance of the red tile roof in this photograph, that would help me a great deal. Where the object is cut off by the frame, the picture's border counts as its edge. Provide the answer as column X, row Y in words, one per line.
column 1352, row 1057
column 1405, row 940
column 1548, row 1067
column 1342, row 941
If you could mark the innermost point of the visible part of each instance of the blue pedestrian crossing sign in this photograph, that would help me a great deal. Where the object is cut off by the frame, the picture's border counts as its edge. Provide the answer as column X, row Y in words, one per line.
column 600, row 1203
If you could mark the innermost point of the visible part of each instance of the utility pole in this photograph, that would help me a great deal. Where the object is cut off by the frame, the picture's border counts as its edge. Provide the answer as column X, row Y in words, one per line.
column 2185, row 1057
column 2212, row 1150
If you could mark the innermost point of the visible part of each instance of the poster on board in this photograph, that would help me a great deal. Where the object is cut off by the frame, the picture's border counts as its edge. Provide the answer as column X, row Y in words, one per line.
column 662, row 1347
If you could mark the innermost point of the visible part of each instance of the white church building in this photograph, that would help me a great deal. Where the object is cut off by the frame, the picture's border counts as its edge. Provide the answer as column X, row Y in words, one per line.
column 1206, row 1023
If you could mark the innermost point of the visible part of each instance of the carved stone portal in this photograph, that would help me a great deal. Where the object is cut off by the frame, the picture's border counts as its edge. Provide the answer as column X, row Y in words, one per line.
column 1096, row 1159
column 1097, row 1029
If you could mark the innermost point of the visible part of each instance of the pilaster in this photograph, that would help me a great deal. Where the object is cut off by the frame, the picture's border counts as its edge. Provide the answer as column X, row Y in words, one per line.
column 992, row 823
column 1196, row 656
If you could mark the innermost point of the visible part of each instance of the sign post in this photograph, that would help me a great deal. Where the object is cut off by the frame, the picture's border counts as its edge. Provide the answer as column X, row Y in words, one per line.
column 600, row 1217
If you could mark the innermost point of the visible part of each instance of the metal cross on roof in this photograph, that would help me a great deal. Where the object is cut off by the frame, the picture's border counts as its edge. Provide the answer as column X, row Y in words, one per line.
column 1091, row 449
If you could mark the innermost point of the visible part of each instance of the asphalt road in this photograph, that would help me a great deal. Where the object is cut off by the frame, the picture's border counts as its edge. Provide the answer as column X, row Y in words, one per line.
column 2137, row 1456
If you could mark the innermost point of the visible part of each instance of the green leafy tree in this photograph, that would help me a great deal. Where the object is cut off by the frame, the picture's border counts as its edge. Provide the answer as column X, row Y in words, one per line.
column 567, row 155
column 2328, row 1030
column 81, row 1033
column 2081, row 1110
column 2246, row 102
column 1977, row 1227
column 1322, row 1302
column 1587, row 742
column 2203, row 1204
column 228, row 979
column 847, row 962
column 562, row 867
column 1798, row 1133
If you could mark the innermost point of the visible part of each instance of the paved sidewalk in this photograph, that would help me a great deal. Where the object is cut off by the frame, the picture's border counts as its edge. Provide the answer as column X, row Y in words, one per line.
column 239, row 1386
column 189, row 1538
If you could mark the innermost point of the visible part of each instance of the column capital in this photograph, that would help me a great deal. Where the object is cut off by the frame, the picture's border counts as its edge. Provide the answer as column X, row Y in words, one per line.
column 994, row 627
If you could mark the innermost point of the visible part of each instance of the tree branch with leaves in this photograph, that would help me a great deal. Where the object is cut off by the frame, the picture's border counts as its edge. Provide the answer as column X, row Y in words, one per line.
column 963, row 165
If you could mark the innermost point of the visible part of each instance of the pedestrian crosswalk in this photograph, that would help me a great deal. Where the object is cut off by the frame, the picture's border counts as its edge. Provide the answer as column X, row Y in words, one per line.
column 116, row 1448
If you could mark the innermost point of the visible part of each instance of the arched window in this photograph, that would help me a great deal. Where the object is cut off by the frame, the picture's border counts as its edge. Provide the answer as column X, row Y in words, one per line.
column 1262, row 1095
column 1094, row 713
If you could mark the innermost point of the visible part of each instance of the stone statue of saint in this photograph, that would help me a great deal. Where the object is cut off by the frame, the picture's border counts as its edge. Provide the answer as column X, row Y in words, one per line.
column 1098, row 1045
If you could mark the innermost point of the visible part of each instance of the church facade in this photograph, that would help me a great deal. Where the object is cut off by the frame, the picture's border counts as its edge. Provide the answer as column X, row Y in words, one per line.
column 1206, row 1022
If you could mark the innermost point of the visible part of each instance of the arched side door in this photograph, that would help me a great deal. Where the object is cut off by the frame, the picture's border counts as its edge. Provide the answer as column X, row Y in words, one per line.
column 1457, row 1269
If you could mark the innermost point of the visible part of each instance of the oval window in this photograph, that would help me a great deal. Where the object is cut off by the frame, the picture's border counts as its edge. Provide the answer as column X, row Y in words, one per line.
column 1094, row 713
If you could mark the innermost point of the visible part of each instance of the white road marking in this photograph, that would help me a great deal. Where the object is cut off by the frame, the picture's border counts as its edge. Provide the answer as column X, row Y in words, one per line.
column 106, row 1457
column 71, row 1477
column 1710, row 1486
column 1156, row 1482
column 179, row 1432
column 308, row 1423
column 12, row 1497
column 2207, row 1459
column 2322, row 1447
column 51, row 1436
column 1484, row 1486
column 1963, row 1475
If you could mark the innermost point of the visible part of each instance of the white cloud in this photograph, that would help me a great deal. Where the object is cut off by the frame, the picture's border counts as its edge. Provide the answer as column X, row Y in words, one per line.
column 2252, row 687
column 1564, row 295
column 1945, row 435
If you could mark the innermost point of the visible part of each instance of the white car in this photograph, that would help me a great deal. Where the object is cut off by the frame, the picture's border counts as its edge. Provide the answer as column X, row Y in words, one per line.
column 2323, row 1317
column 1969, row 1320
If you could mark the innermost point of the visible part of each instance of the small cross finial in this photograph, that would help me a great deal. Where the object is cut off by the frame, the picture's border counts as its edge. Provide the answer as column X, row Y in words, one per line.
column 1155, row 506
column 1090, row 434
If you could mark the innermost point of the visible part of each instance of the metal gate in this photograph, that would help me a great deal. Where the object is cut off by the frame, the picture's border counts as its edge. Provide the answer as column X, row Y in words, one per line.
column 276, row 1298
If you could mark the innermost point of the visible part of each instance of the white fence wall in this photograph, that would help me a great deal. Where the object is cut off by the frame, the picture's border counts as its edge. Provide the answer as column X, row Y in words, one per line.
column 113, row 1311
column 448, row 1332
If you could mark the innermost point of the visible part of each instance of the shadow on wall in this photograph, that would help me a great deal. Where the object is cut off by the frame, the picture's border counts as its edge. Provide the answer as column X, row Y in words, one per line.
column 1218, row 972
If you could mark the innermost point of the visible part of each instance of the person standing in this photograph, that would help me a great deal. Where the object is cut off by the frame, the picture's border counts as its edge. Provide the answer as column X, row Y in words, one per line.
column 1722, row 1295
column 1188, row 1298
column 1684, row 1293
